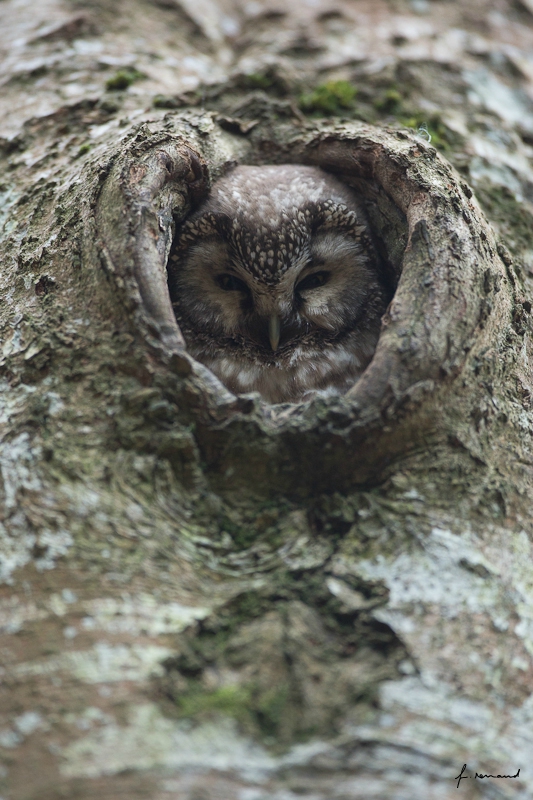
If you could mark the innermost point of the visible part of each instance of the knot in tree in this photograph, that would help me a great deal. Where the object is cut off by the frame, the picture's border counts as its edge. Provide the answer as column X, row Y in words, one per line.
column 439, row 266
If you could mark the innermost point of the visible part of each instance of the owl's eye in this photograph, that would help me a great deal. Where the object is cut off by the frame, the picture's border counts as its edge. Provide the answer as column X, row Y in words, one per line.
column 229, row 283
column 313, row 281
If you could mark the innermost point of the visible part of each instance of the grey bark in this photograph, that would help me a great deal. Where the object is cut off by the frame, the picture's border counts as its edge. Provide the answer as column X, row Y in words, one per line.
column 204, row 596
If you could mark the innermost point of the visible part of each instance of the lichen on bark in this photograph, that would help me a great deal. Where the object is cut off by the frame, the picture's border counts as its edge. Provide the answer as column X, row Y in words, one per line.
column 202, row 594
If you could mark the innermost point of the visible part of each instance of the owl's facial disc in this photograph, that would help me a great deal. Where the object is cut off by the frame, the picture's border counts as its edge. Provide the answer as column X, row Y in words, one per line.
column 313, row 287
column 275, row 282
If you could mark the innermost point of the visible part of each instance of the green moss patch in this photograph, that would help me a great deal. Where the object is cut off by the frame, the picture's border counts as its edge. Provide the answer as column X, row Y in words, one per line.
column 332, row 97
column 232, row 701
column 256, row 710
column 257, row 80
column 83, row 149
column 431, row 127
column 123, row 79
column 389, row 102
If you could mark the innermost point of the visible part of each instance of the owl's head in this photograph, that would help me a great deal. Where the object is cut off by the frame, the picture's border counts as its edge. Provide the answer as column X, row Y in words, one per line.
column 274, row 256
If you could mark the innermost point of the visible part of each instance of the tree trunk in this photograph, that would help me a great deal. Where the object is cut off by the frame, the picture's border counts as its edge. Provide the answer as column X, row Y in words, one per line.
column 204, row 596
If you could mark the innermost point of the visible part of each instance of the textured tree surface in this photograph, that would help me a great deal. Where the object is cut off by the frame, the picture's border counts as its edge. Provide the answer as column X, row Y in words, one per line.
column 203, row 596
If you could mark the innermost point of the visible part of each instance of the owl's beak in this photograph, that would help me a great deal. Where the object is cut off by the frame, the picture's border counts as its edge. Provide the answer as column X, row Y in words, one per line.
column 274, row 331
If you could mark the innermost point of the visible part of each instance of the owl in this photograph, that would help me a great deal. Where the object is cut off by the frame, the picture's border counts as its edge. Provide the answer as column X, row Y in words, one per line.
column 275, row 283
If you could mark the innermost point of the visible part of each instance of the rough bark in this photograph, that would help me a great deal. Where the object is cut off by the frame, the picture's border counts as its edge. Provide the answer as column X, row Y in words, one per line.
column 204, row 596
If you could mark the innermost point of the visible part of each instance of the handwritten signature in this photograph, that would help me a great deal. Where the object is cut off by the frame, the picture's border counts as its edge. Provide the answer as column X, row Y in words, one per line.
column 481, row 775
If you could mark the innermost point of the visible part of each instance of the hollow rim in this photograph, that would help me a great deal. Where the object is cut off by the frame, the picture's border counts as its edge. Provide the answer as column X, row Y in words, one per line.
column 437, row 308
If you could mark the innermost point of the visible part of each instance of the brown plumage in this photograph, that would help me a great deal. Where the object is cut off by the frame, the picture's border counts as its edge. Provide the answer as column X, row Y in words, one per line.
column 275, row 283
